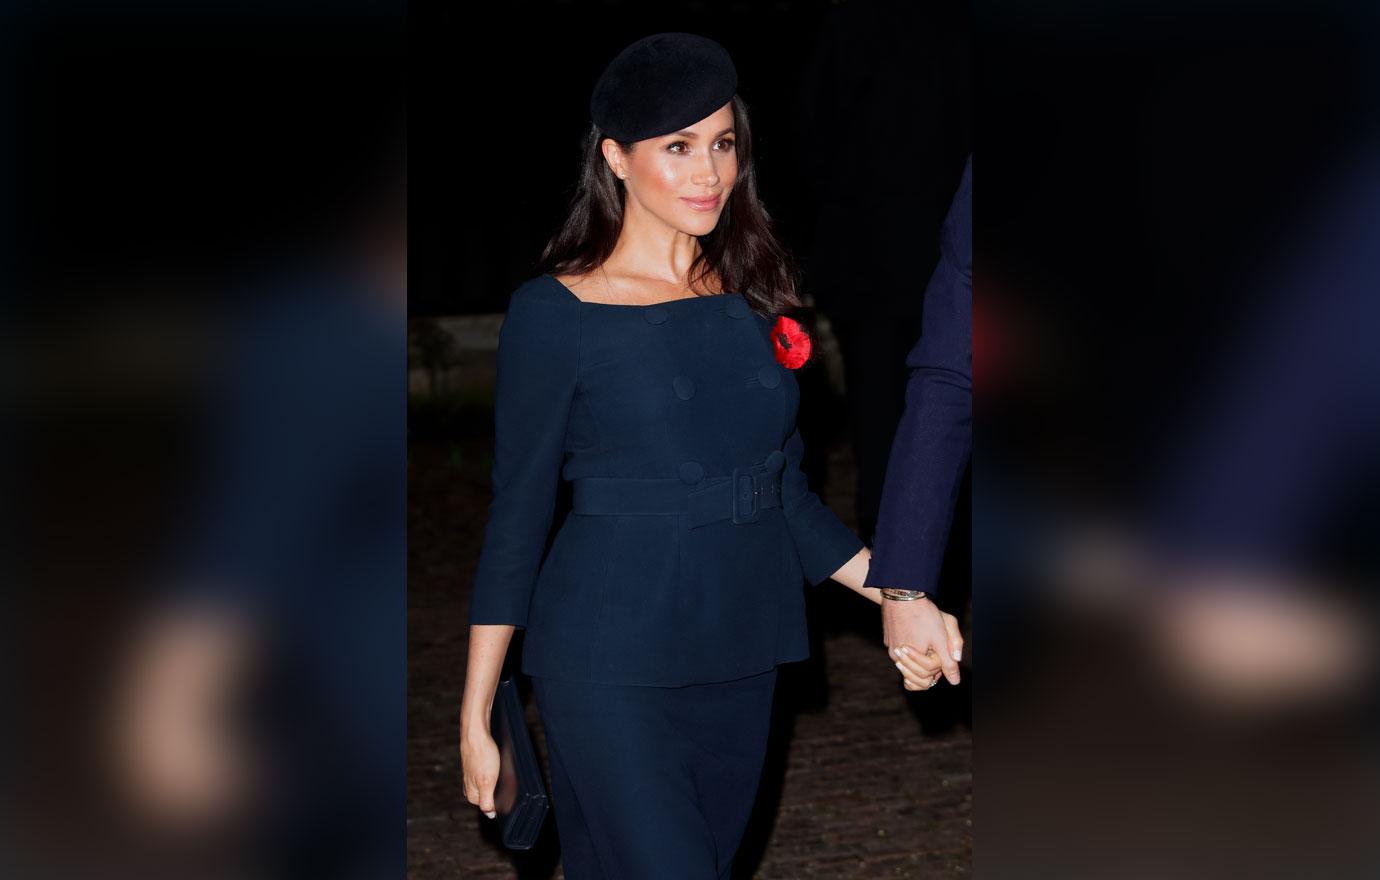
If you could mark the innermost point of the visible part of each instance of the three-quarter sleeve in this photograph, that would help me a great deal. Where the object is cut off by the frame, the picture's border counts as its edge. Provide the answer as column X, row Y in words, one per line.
column 538, row 365
column 823, row 542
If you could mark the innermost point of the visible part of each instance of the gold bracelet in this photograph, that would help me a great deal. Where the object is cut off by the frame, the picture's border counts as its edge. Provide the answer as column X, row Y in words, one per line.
column 901, row 595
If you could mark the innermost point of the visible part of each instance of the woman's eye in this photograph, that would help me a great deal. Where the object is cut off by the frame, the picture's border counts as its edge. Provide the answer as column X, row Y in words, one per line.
column 728, row 142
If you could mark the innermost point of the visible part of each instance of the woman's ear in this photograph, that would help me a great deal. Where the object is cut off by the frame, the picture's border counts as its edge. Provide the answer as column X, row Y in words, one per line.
column 609, row 147
column 617, row 158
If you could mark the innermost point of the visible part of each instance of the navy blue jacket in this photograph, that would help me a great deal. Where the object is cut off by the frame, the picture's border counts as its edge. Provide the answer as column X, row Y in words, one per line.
column 692, row 530
column 935, row 438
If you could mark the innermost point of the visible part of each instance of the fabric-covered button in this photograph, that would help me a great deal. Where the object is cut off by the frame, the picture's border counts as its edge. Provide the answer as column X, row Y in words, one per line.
column 776, row 460
column 656, row 315
column 685, row 387
column 737, row 307
column 769, row 376
column 691, row 472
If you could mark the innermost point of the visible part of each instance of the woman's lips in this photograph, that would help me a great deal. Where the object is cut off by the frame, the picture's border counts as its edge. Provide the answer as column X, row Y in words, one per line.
column 699, row 205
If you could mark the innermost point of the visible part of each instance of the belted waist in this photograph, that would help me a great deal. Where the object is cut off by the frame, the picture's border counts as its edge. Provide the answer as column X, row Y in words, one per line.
column 738, row 497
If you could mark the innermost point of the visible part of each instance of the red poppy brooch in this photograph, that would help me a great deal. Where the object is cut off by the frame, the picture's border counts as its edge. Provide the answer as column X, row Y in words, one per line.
column 791, row 342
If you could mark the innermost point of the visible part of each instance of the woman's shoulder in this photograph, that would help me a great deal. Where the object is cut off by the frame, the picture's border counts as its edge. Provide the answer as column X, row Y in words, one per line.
column 569, row 283
column 539, row 311
column 542, row 289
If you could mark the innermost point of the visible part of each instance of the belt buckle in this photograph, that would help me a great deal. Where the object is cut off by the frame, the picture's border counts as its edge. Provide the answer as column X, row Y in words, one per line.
column 745, row 494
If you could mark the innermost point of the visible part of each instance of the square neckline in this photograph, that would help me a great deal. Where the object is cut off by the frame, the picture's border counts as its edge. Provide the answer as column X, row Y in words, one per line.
column 664, row 302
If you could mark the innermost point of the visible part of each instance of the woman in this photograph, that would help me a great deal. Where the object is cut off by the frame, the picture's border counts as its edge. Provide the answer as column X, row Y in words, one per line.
column 641, row 365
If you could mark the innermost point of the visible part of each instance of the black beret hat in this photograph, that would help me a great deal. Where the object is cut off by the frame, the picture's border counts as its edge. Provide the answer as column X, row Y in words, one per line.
column 661, row 84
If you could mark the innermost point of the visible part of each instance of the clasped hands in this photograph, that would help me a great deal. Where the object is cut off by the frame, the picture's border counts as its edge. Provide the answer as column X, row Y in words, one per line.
column 923, row 641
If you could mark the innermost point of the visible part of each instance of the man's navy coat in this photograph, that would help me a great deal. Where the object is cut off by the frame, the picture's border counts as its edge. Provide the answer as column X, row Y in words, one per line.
column 934, row 440
column 692, row 530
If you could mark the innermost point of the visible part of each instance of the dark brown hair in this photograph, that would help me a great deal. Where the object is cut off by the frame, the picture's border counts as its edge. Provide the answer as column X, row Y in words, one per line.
column 742, row 249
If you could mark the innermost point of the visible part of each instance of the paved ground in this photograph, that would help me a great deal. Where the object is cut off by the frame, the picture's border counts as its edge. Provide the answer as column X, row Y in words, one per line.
column 864, row 780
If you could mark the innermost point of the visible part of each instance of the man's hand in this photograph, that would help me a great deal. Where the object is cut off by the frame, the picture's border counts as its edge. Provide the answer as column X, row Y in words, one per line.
column 920, row 625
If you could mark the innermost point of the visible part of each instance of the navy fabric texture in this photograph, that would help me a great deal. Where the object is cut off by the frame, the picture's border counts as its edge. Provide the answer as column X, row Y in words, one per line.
column 668, row 592
column 654, row 782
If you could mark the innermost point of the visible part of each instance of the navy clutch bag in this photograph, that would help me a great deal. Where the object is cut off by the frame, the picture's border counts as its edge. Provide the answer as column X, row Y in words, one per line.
column 520, row 795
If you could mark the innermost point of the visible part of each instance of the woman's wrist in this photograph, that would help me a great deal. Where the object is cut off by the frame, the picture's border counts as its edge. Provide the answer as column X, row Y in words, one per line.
column 488, row 646
column 476, row 707
column 899, row 594
column 472, row 723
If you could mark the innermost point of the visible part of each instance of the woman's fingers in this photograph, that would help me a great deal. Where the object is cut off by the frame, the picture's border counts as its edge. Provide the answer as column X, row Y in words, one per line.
column 923, row 684
column 914, row 665
column 909, row 658
column 481, row 763
column 955, row 637
column 479, row 790
column 486, row 796
column 486, row 783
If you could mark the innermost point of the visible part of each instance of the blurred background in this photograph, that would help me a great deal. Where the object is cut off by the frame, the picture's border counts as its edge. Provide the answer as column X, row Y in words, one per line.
column 1175, row 529
column 205, row 360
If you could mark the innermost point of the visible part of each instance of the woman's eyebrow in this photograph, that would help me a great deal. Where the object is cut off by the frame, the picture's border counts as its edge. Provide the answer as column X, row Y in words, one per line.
column 692, row 135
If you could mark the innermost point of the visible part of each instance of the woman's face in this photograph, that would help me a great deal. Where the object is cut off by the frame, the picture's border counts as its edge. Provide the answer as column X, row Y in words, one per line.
column 684, row 178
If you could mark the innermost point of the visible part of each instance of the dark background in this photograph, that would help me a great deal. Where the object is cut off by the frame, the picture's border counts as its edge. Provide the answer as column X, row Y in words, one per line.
column 204, row 417
column 1150, row 175
column 1151, row 169
column 502, row 118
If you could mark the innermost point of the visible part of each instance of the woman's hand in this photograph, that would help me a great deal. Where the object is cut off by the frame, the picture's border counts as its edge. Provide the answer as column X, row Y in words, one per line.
column 931, row 633
column 479, row 761
column 479, row 757
column 919, row 669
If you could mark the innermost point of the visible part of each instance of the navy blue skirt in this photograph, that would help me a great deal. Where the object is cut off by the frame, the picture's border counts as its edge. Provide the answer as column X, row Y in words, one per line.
column 653, row 782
